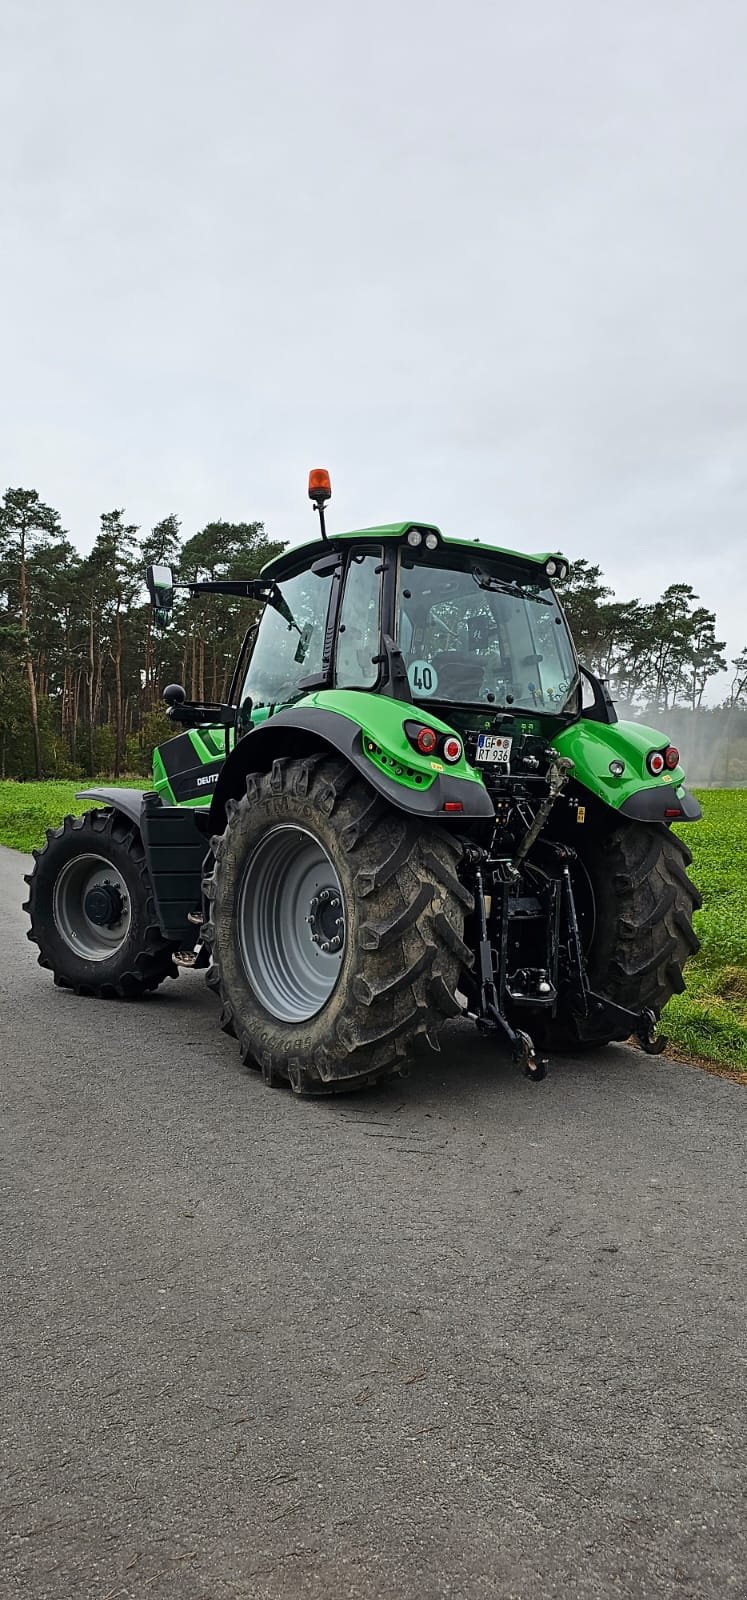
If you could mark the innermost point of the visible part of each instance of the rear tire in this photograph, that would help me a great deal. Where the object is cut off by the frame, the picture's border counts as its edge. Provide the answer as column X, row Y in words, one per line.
column 643, row 926
column 126, row 958
column 393, row 976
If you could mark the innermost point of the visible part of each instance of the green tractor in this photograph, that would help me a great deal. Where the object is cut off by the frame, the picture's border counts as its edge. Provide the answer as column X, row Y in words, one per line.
column 416, row 805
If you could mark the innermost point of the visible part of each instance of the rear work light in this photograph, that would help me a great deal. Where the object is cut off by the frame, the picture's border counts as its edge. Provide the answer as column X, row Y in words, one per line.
column 672, row 757
column 426, row 536
column 655, row 763
column 452, row 749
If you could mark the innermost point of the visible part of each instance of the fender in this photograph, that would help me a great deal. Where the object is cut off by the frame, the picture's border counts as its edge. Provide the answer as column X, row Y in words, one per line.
column 128, row 801
column 660, row 805
column 595, row 748
column 425, row 788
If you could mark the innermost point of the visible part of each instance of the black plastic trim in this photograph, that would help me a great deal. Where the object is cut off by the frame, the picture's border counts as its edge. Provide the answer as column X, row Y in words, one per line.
column 175, row 849
column 128, row 801
column 298, row 733
column 650, row 805
column 603, row 708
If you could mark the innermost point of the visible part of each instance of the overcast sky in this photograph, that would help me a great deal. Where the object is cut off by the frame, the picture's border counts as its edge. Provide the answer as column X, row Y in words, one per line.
column 485, row 261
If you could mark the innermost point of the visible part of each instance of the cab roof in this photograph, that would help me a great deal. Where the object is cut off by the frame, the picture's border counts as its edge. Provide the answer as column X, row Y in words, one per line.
column 303, row 554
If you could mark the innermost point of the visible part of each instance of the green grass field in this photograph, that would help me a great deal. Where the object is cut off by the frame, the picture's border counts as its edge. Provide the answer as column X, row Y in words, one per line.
column 27, row 809
column 709, row 1020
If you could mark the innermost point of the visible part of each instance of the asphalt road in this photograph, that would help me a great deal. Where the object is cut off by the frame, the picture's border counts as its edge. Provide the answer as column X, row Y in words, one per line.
column 460, row 1337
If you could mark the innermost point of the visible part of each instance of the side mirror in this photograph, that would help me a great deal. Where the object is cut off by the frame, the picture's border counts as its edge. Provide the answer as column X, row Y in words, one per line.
column 195, row 714
column 160, row 582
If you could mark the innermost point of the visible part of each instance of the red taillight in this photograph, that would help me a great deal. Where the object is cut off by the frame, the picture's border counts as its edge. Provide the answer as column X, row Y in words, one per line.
column 422, row 738
column 426, row 741
column 655, row 763
column 673, row 811
column 452, row 748
column 672, row 757
column 453, row 805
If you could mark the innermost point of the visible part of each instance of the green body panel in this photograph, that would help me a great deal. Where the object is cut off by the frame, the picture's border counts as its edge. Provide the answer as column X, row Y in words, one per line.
column 381, row 721
column 385, row 744
column 208, row 745
column 593, row 745
column 314, row 548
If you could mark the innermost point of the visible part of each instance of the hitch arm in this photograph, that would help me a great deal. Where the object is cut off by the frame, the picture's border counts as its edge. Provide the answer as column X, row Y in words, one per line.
column 594, row 1008
column 490, row 1015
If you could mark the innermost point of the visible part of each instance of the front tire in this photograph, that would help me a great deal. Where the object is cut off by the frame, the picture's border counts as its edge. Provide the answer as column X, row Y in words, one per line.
column 93, row 915
column 326, row 995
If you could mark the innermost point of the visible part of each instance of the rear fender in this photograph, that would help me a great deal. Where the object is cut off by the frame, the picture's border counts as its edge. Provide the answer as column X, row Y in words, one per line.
column 635, row 793
column 368, row 731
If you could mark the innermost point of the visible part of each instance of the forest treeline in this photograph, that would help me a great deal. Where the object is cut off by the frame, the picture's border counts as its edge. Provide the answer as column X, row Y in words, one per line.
column 82, row 667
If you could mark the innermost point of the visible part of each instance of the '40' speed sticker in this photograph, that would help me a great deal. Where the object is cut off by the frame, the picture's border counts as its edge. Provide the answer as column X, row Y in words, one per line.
column 422, row 677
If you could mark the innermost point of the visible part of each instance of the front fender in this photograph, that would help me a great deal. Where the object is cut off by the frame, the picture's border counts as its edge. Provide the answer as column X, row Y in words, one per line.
column 128, row 801
column 368, row 731
column 636, row 793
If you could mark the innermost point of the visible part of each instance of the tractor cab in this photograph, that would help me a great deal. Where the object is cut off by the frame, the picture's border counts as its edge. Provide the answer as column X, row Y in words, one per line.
column 471, row 630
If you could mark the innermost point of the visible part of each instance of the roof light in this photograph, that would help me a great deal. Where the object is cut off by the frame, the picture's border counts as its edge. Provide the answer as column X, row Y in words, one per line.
column 414, row 537
column 655, row 763
column 452, row 749
column 551, row 568
column 431, row 541
column 672, row 757
column 320, row 487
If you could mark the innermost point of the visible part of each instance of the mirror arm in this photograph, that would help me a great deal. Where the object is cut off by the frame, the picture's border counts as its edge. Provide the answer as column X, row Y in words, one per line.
column 247, row 588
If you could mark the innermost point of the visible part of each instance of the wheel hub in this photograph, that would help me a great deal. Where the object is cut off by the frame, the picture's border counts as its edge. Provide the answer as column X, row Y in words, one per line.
column 326, row 921
column 104, row 905
column 291, row 923
column 91, row 907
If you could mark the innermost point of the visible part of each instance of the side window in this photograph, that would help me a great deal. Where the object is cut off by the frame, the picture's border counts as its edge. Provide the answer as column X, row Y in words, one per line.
column 289, row 643
column 359, row 632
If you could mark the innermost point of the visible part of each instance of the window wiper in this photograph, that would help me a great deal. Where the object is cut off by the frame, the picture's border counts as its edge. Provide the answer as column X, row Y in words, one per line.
column 485, row 580
column 278, row 602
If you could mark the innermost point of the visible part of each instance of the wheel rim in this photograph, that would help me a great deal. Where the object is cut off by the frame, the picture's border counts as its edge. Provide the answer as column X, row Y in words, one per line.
column 91, row 907
column 291, row 924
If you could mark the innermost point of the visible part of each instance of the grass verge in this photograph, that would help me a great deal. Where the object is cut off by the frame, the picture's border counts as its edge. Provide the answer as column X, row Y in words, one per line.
column 28, row 809
column 710, row 1018
column 708, row 1021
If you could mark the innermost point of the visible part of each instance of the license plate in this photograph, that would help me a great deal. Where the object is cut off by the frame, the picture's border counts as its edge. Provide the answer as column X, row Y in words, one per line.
column 494, row 747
